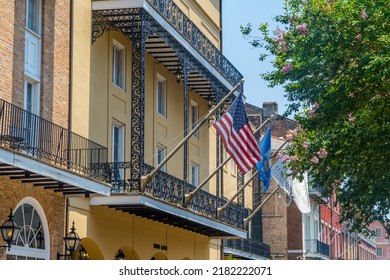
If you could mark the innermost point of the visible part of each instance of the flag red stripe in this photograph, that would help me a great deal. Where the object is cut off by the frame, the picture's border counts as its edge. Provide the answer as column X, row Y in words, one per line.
column 224, row 127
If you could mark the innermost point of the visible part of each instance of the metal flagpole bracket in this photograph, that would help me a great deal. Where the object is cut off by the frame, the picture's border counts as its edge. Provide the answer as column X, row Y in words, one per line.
column 190, row 195
column 147, row 178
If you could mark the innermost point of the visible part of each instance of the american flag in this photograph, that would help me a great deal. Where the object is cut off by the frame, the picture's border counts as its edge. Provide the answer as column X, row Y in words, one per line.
column 237, row 136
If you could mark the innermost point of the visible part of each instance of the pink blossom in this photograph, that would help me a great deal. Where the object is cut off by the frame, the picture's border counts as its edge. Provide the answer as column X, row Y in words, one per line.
column 351, row 118
column 351, row 95
column 285, row 158
column 314, row 160
column 280, row 35
column 293, row 132
column 322, row 153
column 359, row 37
column 279, row 155
column 299, row 129
column 287, row 68
column 363, row 14
column 302, row 29
column 293, row 158
column 282, row 47
column 289, row 136
column 315, row 105
column 311, row 112
column 305, row 144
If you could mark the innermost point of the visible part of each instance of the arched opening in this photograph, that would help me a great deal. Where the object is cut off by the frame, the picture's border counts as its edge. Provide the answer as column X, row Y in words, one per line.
column 127, row 253
column 33, row 239
column 159, row 256
column 91, row 248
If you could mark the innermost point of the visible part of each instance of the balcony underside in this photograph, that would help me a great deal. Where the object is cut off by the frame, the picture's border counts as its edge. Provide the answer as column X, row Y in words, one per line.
column 30, row 170
column 171, row 38
column 150, row 208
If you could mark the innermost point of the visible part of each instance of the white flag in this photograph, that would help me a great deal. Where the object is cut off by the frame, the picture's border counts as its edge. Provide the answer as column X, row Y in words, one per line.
column 300, row 193
column 279, row 173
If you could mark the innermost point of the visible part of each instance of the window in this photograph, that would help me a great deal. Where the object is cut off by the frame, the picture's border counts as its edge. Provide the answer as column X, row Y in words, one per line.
column 32, row 50
column 33, row 240
column 194, row 118
column 31, row 98
column 118, row 150
column 233, row 167
column 161, row 154
column 379, row 252
column 224, row 157
column 161, row 96
column 118, row 65
column 33, row 15
column 194, row 174
column 378, row 232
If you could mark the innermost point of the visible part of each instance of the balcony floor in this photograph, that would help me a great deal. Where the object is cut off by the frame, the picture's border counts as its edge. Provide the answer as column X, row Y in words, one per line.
column 18, row 166
column 147, row 207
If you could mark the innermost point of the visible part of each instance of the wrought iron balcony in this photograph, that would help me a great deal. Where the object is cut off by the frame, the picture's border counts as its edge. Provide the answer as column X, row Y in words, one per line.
column 29, row 134
column 315, row 246
column 170, row 37
column 182, row 24
column 249, row 246
column 168, row 188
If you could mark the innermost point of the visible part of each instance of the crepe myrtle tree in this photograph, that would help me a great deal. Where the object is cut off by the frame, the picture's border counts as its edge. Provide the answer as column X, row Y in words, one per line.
column 333, row 59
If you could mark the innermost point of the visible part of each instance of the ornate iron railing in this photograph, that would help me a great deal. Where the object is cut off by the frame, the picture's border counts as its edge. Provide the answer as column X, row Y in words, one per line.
column 182, row 24
column 171, row 189
column 50, row 143
column 317, row 246
column 249, row 246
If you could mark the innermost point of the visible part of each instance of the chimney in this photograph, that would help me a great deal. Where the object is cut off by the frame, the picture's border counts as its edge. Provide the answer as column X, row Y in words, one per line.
column 269, row 108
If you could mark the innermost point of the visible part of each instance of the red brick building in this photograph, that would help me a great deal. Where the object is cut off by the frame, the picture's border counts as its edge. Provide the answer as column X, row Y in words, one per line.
column 382, row 241
column 36, row 164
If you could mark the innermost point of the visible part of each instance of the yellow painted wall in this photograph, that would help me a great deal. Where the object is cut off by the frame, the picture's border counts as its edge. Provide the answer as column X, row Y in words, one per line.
column 110, row 230
column 81, row 52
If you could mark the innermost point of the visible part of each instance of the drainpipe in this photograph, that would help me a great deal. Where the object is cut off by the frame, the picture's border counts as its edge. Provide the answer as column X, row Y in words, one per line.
column 220, row 25
column 70, row 66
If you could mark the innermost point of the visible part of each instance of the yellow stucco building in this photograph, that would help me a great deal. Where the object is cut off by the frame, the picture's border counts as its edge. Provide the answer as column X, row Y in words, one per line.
column 145, row 72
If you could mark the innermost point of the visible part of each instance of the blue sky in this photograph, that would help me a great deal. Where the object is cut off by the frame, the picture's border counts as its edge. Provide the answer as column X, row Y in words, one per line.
column 242, row 55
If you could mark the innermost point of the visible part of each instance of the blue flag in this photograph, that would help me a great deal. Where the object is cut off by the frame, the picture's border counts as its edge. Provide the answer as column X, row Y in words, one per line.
column 263, row 165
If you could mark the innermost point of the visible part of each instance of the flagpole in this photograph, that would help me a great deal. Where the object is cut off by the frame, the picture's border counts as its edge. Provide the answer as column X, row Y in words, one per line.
column 223, row 208
column 250, row 217
column 190, row 195
column 148, row 177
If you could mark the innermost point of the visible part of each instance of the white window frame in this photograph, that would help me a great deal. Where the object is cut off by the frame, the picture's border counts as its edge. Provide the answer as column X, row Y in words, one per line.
column 161, row 106
column 378, row 232
column 35, row 96
column 32, row 252
column 161, row 150
column 233, row 167
column 224, row 157
column 38, row 17
column 118, row 77
column 379, row 252
column 194, row 118
column 121, row 149
column 194, row 174
column 120, row 143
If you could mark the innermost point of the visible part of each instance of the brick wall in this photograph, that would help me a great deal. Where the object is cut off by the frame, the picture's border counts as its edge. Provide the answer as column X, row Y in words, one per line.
column 275, row 224
column 55, row 62
column 12, row 50
column 294, row 229
column 53, row 204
